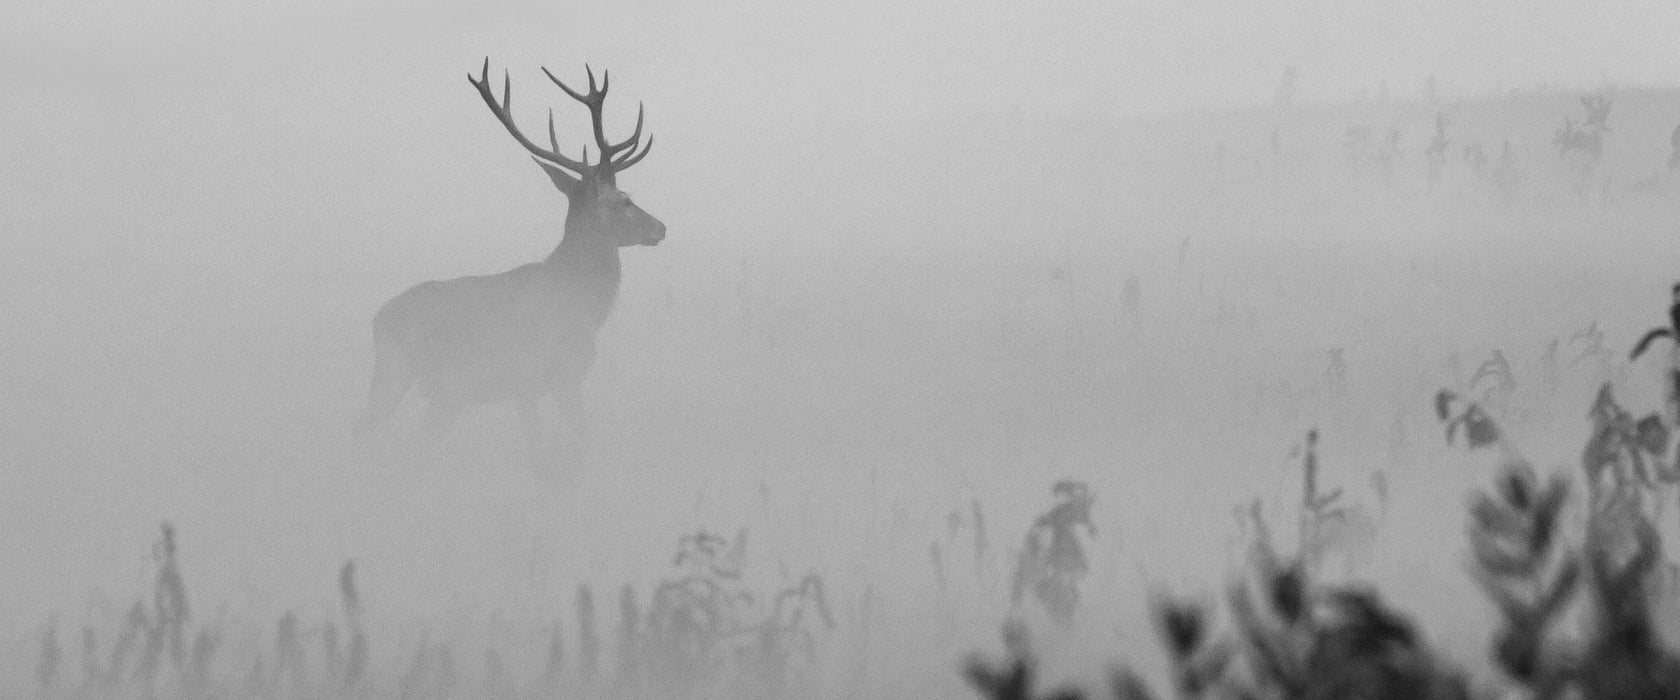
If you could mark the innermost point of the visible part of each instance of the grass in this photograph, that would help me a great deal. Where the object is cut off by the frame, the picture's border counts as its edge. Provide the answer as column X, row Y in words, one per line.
column 1576, row 614
column 705, row 633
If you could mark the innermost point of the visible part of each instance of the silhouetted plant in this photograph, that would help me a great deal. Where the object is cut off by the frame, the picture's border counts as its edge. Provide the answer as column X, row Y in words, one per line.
column 1624, row 657
column 1518, row 557
column 1324, row 515
column 356, row 658
column 1293, row 640
column 589, row 645
column 689, row 617
column 1518, row 561
column 629, row 642
column 1303, row 641
column 1479, row 427
column 46, row 669
column 1581, row 144
column 417, row 679
column 1052, row 558
column 1529, row 575
column 786, row 634
column 1388, row 155
column 1199, row 661
column 498, row 683
column 1588, row 344
column 704, row 624
column 1438, row 148
column 200, row 673
column 92, row 673
column 289, row 674
column 1625, row 453
column 1010, row 678
column 554, row 666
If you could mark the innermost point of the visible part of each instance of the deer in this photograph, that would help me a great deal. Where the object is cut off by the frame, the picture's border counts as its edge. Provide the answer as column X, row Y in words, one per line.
column 531, row 331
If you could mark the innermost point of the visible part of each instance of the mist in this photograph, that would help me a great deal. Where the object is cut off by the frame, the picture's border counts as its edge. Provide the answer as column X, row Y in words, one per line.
column 922, row 263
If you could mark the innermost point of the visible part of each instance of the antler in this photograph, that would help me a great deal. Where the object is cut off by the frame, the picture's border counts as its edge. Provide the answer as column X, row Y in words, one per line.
column 611, row 164
column 502, row 110
column 615, row 157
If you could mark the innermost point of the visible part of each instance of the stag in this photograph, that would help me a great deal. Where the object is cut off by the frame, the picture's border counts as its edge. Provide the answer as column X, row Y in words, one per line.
column 529, row 331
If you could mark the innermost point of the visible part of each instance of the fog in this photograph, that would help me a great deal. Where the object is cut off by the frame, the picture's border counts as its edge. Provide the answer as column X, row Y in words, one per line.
column 923, row 261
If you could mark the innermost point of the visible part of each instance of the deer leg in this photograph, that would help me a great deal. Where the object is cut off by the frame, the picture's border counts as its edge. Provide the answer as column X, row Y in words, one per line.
column 440, row 414
column 529, row 425
column 391, row 381
column 570, row 405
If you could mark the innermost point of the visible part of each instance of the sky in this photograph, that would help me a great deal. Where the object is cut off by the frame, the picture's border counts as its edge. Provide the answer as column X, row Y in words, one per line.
column 854, row 59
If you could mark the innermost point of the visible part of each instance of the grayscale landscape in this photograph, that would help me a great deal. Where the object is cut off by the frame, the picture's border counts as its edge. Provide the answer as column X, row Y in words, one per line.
column 959, row 350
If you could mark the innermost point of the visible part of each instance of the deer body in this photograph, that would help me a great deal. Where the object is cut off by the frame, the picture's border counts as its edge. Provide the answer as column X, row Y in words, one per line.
column 490, row 338
column 527, row 332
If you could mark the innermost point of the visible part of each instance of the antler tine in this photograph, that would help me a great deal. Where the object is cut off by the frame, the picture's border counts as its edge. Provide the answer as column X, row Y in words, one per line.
column 505, row 116
column 586, row 99
column 635, row 136
column 633, row 158
column 595, row 100
column 637, row 133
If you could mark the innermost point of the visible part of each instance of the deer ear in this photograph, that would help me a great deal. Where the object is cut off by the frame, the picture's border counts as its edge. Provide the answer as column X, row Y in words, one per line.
column 566, row 182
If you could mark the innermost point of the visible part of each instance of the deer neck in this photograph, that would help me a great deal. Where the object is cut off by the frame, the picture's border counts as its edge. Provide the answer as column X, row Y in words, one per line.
column 587, row 267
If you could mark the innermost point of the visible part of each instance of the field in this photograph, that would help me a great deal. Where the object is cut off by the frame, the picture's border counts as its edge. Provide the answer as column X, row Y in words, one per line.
column 870, row 355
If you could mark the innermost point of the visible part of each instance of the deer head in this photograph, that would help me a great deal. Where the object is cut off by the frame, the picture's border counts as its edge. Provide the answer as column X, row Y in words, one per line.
column 599, row 210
